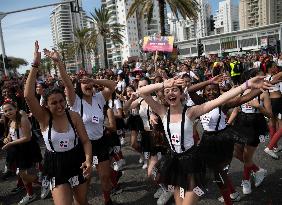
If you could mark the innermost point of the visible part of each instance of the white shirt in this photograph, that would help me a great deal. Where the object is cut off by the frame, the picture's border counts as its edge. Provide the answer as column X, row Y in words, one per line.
column 143, row 112
column 121, row 85
column 61, row 142
column 93, row 116
column 210, row 119
column 175, row 131
column 13, row 133
column 273, row 88
column 117, row 105
column 247, row 108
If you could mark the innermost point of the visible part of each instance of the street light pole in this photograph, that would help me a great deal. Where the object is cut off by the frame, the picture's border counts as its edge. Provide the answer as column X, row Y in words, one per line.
column 2, row 15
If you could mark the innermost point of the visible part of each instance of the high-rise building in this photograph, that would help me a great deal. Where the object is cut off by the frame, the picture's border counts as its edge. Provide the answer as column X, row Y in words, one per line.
column 63, row 24
column 135, row 28
column 226, row 17
column 188, row 29
column 254, row 13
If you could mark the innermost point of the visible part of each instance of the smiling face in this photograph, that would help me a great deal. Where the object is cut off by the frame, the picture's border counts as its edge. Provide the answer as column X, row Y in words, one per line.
column 211, row 92
column 129, row 91
column 10, row 111
column 142, row 83
column 56, row 103
column 173, row 95
column 87, row 89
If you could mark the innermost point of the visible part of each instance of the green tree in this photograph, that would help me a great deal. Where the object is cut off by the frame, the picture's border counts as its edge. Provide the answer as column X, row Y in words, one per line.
column 46, row 65
column 185, row 8
column 13, row 63
column 105, row 27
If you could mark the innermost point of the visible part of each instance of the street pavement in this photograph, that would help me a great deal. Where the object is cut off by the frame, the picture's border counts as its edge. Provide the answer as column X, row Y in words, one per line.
column 138, row 190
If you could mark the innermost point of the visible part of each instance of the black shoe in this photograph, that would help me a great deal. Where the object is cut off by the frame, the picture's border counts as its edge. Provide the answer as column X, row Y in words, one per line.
column 119, row 175
column 16, row 190
column 7, row 175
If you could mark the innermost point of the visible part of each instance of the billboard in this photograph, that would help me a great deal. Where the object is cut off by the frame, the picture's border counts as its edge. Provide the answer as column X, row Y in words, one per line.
column 158, row 43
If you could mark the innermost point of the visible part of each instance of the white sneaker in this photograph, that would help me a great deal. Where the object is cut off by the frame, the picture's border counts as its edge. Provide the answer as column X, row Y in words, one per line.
column 116, row 166
column 27, row 199
column 247, row 188
column 45, row 188
column 166, row 195
column 145, row 165
column 277, row 149
column 259, row 176
column 158, row 193
column 271, row 153
column 141, row 160
column 235, row 197
column 122, row 162
column 122, row 141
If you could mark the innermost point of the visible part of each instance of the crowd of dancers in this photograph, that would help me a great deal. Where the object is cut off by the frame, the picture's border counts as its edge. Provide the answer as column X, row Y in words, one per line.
column 187, row 121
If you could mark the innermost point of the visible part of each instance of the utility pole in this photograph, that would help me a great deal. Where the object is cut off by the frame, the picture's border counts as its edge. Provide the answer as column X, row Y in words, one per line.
column 2, row 15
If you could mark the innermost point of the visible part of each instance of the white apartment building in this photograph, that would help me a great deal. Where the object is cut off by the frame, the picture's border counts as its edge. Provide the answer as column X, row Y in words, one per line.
column 63, row 24
column 254, row 13
column 135, row 28
column 188, row 29
column 226, row 17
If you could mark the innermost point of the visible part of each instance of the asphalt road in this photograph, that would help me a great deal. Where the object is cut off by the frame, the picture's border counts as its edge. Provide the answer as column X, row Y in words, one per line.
column 137, row 189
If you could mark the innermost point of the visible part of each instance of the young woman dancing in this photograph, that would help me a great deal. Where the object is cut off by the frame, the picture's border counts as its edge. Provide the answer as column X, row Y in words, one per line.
column 184, row 169
column 90, row 107
column 65, row 164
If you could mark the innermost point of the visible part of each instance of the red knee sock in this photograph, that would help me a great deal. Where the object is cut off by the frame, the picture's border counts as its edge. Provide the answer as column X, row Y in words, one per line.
column 272, row 131
column 275, row 138
column 28, row 188
column 107, row 197
column 226, row 196
column 247, row 173
column 114, row 178
column 40, row 167
column 230, row 185
column 120, row 155
column 254, row 168
column 116, row 157
column 20, row 182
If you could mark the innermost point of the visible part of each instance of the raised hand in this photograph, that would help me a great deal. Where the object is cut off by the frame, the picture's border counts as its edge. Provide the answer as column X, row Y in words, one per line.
column 37, row 55
column 258, row 82
column 86, row 80
column 173, row 82
column 134, row 96
column 217, row 79
column 54, row 55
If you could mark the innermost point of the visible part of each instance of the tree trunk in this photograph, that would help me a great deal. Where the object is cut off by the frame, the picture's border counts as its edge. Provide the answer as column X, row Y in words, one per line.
column 162, row 16
column 82, row 57
column 105, row 53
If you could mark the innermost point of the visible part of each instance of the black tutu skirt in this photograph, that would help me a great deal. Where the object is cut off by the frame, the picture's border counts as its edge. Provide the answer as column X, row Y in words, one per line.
column 250, row 127
column 62, row 166
column 134, row 122
column 216, row 148
column 120, row 123
column 35, row 149
column 112, row 140
column 185, row 170
column 21, row 155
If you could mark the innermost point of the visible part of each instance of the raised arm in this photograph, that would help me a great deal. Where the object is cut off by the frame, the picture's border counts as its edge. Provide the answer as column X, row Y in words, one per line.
column 109, row 86
column 29, row 92
column 253, row 83
column 70, row 92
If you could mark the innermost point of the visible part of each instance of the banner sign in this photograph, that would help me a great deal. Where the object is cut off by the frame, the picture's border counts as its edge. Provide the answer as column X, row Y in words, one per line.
column 158, row 43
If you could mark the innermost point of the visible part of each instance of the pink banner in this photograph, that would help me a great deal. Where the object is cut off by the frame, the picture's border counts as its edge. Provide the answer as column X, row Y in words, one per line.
column 158, row 43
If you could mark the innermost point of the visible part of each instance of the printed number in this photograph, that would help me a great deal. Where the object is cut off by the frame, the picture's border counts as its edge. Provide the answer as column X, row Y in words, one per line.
column 197, row 190
column 74, row 181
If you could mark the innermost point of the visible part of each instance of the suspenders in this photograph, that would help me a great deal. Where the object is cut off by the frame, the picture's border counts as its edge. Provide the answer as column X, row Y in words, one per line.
column 81, row 107
column 50, row 126
column 182, row 128
column 218, row 120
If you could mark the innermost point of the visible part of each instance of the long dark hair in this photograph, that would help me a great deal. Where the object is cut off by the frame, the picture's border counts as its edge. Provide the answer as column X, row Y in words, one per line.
column 8, row 121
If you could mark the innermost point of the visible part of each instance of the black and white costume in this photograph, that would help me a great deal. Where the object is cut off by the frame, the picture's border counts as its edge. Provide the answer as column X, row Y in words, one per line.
column 182, row 167
column 250, row 124
column 93, row 119
column 63, row 156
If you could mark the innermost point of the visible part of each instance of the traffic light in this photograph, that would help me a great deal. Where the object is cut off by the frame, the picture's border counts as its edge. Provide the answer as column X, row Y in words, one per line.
column 200, row 49
column 75, row 6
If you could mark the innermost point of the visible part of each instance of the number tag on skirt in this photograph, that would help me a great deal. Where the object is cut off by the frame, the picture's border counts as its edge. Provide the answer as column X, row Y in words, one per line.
column 74, row 181
column 170, row 188
column 197, row 190
column 182, row 193
column 45, row 182
column 95, row 160
column 262, row 138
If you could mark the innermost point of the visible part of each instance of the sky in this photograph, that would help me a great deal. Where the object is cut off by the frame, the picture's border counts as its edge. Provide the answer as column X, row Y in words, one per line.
column 20, row 30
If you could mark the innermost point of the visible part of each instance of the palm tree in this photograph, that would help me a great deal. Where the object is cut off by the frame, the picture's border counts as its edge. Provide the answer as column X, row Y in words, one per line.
column 81, row 42
column 46, row 65
column 107, row 29
column 185, row 8
column 63, row 48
